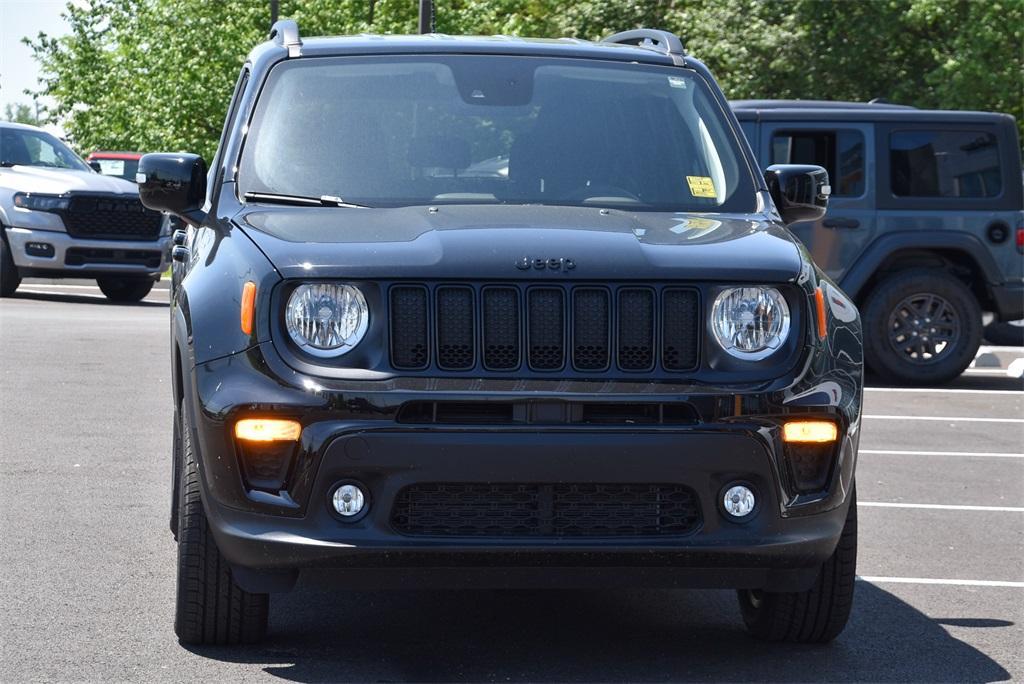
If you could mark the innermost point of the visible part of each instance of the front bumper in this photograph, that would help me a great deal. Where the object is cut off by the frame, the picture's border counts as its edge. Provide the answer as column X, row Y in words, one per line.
column 78, row 256
column 353, row 431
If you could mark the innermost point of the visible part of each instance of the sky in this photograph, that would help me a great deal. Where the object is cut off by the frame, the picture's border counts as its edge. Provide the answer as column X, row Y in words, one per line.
column 19, row 18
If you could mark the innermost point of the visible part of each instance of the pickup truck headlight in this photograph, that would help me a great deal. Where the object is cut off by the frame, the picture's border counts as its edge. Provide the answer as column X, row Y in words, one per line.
column 30, row 200
column 750, row 323
column 326, row 319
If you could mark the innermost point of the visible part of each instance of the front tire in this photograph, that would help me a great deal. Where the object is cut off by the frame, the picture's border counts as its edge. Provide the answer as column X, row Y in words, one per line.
column 210, row 608
column 815, row 616
column 125, row 289
column 921, row 327
column 9, row 276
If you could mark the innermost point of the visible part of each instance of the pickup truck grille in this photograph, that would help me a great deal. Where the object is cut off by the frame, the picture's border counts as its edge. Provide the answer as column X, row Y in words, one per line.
column 559, row 510
column 586, row 329
column 110, row 217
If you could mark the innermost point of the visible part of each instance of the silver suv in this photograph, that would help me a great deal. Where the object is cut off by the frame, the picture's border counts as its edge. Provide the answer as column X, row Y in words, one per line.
column 61, row 219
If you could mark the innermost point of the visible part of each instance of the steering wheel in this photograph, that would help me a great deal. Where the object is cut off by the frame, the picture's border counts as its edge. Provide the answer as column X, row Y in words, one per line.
column 607, row 190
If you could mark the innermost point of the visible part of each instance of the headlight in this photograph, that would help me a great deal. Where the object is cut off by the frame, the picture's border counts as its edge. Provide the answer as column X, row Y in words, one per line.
column 25, row 200
column 750, row 322
column 326, row 319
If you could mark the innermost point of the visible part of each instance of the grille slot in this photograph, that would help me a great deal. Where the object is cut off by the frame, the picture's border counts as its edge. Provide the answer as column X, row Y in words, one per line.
column 455, row 328
column 680, row 335
column 110, row 218
column 546, row 328
column 409, row 332
column 636, row 329
column 585, row 330
column 501, row 328
column 591, row 325
column 545, row 510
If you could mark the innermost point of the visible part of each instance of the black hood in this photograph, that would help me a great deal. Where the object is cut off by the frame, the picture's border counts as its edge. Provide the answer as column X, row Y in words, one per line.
column 490, row 242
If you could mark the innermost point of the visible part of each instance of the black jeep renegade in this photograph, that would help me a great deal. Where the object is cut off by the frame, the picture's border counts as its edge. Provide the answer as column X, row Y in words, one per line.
column 502, row 312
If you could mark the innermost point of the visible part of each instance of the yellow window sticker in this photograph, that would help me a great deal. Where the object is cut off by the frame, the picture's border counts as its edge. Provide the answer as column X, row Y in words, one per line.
column 701, row 186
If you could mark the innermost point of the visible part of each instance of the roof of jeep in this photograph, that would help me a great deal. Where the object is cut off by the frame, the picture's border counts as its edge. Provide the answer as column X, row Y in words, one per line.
column 368, row 44
column 829, row 110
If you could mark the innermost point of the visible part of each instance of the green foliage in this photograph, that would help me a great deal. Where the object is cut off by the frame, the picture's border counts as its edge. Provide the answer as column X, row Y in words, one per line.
column 157, row 74
column 20, row 113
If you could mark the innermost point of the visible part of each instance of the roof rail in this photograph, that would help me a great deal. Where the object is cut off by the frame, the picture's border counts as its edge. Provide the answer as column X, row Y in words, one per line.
column 286, row 34
column 662, row 41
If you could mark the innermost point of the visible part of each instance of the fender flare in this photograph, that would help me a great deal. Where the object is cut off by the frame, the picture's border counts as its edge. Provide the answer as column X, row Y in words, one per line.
column 878, row 251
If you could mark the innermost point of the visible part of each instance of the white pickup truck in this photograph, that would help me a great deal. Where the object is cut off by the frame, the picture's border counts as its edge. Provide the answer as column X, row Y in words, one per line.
column 61, row 219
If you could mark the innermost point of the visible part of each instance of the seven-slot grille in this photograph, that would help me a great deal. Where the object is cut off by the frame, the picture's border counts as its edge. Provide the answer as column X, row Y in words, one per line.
column 461, row 509
column 588, row 329
column 111, row 218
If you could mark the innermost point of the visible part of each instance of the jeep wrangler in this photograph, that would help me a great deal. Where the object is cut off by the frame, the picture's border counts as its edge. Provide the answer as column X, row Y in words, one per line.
column 501, row 312
column 925, row 225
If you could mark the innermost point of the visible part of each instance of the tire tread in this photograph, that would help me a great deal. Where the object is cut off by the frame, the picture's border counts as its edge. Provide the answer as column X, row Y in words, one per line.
column 211, row 608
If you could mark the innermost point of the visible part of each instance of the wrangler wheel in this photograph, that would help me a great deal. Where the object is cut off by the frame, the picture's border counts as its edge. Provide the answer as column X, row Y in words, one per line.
column 817, row 615
column 211, row 608
column 921, row 327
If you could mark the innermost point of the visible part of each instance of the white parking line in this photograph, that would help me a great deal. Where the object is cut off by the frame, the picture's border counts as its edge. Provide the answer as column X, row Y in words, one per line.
column 987, row 349
column 935, row 390
column 83, row 294
column 951, row 419
column 929, row 580
column 940, row 507
column 986, row 454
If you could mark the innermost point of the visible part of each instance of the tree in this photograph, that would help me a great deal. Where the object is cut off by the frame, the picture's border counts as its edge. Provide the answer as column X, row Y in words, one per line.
column 20, row 113
column 158, row 74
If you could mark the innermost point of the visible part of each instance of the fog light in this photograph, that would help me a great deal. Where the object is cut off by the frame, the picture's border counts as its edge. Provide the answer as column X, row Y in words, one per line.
column 39, row 249
column 348, row 500
column 738, row 501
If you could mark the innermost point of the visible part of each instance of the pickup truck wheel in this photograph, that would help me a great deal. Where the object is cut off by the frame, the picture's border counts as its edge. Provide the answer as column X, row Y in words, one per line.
column 815, row 616
column 9, row 278
column 211, row 608
column 921, row 327
column 125, row 289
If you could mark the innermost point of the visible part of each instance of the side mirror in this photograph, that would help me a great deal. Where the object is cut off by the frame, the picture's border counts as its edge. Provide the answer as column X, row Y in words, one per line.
column 800, row 191
column 175, row 183
column 95, row 166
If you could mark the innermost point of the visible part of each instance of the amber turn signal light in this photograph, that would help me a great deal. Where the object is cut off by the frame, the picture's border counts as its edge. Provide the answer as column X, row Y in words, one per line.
column 248, row 306
column 819, row 300
column 816, row 431
column 267, row 430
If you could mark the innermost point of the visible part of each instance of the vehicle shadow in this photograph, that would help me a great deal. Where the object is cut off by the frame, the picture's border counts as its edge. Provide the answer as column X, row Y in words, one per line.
column 584, row 635
column 97, row 299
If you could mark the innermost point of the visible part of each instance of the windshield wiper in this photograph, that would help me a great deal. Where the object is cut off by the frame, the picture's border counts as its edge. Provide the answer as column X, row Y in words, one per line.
column 302, row 200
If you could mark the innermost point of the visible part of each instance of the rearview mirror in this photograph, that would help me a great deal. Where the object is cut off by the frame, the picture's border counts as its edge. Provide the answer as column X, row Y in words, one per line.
column 175, row 183
column 800, row 191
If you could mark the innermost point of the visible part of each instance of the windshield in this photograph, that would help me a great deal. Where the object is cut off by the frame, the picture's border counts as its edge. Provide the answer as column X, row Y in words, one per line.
column 413, row 130
column 122, row 168
column 25, row 147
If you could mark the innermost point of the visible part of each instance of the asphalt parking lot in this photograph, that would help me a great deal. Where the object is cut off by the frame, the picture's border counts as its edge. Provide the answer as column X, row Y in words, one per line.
column 87, row 581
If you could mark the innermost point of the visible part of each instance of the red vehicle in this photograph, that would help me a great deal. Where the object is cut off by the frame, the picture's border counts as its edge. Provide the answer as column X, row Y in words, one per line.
column 120, row 164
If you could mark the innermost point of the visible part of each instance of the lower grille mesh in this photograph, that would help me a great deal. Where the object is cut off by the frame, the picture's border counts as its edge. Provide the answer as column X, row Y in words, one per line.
column 545, row 510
